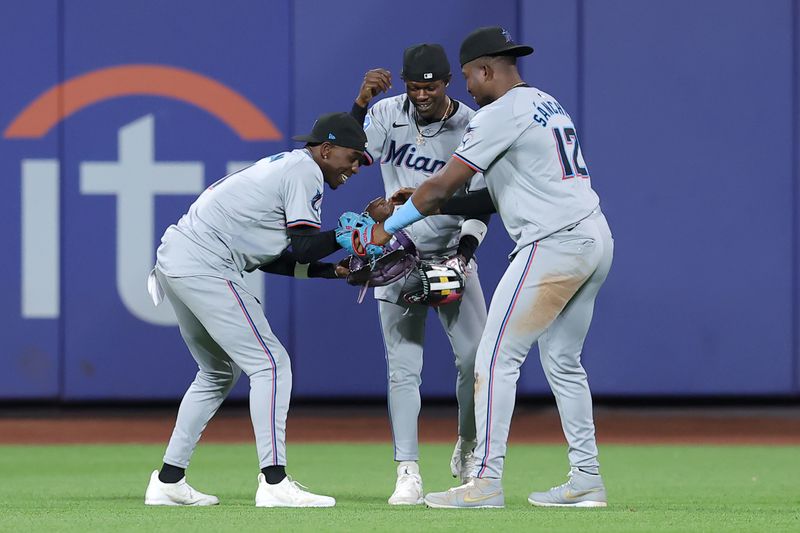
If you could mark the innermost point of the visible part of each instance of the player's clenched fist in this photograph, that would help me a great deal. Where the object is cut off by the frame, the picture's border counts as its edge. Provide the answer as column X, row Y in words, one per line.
column 402, row 195
column 376, row 81
column 342, row 268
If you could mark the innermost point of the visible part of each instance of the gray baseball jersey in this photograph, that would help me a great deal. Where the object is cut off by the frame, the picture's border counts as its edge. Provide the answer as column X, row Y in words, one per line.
column 235, row 225
column 527, row 147
column 409, row 154
column 239, row 222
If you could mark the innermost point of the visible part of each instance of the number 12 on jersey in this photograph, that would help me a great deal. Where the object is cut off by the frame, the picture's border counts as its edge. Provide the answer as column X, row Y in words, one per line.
column 567, row 141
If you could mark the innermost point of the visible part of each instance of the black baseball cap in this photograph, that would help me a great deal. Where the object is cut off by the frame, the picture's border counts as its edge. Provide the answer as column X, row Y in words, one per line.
column 340, row 129
column 490, row 41
column 425, row 62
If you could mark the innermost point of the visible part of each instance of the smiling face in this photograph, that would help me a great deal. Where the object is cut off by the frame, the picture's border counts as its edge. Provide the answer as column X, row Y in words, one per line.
column 379, row 209
column 429, row 98
column 338, row 163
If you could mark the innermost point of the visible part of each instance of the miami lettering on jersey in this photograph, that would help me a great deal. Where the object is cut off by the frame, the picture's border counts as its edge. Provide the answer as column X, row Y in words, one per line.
column 406, row 156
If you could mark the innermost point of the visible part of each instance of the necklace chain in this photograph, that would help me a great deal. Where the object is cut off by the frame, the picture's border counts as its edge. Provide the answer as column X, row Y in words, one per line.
column 421, row 136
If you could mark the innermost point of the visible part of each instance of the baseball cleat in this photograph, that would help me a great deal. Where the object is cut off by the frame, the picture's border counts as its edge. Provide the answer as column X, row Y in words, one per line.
column 408, row 489
column 476, row 494
column 462, row 463
column 180, row 493
column 581, row 490
column 288, row 493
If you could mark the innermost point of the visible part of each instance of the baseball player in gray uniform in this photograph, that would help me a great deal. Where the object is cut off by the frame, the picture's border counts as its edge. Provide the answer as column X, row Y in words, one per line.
column 248, row 220
column 412, row 136
column 526, row 145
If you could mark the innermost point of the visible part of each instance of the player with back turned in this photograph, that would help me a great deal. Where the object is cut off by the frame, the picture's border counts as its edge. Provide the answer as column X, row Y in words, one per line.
column 411, row 136
column 526, row 145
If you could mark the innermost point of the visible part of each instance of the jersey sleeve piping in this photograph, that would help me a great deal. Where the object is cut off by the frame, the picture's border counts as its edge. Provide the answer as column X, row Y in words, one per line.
column 303, row 222
column 467, row 162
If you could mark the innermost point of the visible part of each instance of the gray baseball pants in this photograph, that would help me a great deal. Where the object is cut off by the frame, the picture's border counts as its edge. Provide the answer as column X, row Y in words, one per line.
column 403, row 329
column 547, row 295
column 226, row 332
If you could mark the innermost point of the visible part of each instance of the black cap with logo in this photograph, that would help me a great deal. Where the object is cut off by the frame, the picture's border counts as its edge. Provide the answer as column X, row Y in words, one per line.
column 340, row 129
column 425, row 62
column 490, row 41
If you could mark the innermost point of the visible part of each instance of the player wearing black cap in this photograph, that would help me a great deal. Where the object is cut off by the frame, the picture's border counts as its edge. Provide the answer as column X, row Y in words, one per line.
column 266, row 216
column 411, row 136
column 526, row 146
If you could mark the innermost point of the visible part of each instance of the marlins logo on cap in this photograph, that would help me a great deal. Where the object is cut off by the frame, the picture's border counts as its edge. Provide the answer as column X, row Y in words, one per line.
column 491, row 41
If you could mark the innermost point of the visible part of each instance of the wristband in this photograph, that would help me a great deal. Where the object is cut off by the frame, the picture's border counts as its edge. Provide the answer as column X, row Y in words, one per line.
column 475, row 228
column 301, row 270
column 403, row 216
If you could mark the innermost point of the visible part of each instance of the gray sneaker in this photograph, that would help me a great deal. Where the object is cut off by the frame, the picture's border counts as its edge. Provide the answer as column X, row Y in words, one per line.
column 581, row 490
column 477, row 493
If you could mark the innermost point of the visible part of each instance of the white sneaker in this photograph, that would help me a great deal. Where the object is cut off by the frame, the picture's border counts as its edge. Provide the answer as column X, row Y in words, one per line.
column 462, row 463
column 180, row 493
column 408, row 489
column 288, row 493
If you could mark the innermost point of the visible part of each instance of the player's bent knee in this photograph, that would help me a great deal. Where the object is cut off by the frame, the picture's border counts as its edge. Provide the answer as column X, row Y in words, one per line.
column 212, row 380
column 404, row 378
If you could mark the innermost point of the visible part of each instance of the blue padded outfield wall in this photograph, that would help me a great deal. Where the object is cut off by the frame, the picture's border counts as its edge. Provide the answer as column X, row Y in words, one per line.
column 115, row 115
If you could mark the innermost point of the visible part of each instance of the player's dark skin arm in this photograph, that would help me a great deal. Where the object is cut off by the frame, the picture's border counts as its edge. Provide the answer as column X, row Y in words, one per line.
column 376, row 81
column 432, row 193
column 475, row 204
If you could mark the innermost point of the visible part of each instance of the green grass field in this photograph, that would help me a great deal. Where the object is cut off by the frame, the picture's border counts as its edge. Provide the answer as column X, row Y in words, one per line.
column 651, row 488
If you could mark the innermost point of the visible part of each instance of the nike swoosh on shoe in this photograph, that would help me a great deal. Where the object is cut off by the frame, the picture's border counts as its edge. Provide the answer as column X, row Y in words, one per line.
column 475, row 499
column 578, row 494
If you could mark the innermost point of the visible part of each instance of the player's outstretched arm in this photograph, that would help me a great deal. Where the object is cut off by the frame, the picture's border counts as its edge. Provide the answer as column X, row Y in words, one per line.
column 433, row 192
column 285, row 265
column 425, row 201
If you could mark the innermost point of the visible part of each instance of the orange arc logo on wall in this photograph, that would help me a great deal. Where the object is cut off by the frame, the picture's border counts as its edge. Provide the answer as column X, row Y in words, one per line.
column 61, row 101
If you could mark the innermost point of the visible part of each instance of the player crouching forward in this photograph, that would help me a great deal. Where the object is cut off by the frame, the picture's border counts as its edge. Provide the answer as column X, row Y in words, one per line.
column 244, row 221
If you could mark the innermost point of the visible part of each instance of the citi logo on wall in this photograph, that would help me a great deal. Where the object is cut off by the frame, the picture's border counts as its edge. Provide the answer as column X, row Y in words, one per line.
column 135, row 178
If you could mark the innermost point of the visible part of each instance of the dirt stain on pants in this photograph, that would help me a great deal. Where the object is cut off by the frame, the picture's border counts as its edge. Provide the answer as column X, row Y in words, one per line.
column 552, row 295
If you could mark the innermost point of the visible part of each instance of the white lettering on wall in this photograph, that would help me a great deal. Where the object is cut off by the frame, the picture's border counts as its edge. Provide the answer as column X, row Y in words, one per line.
column 135, row 180
column 40, row 238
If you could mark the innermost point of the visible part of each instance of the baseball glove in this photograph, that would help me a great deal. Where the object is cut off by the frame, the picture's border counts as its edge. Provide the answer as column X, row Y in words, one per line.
column 399, row 258
column 348, row 236
column 433, row 284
